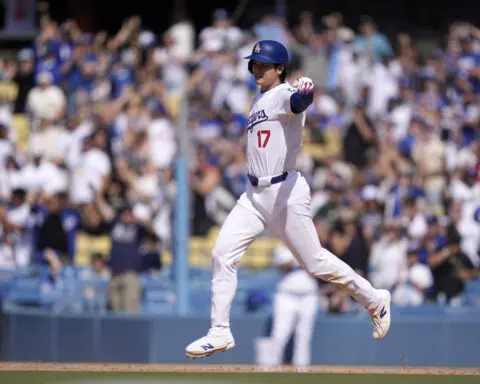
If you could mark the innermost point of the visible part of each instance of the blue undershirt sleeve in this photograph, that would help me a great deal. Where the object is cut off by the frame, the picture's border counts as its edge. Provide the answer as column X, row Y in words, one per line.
column 300, row 101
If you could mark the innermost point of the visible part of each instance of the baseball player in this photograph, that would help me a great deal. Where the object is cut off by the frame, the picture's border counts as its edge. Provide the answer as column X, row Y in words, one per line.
column 277, row 197
column 295, row 309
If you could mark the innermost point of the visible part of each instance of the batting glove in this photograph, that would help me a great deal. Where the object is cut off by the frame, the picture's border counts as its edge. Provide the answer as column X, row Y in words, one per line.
column 304, row 84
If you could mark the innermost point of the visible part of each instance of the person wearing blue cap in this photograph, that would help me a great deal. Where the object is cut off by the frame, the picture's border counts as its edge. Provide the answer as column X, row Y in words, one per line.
column 278, row 198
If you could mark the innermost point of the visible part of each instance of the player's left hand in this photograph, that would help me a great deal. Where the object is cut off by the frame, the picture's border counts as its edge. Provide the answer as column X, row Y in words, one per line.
column 304, row 84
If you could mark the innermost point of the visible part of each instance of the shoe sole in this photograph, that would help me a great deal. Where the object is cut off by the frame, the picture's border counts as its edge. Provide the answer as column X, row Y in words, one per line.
column 200, row 355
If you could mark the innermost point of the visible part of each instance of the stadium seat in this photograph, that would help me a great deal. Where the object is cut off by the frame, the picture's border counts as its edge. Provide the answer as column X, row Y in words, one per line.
column 87, row 245
column 21, row 125
column 7, row 277
column 25, row 292
column 472, row 293
column 149, row 283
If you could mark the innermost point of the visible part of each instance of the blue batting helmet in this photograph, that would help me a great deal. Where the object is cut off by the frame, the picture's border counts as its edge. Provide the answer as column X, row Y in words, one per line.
column 268, row 51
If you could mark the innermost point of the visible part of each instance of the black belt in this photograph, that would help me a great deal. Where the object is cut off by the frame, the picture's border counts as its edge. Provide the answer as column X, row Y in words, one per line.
column 273, row 180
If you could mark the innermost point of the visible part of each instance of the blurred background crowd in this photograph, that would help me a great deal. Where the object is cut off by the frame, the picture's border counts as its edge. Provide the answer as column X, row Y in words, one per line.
column 89, row 139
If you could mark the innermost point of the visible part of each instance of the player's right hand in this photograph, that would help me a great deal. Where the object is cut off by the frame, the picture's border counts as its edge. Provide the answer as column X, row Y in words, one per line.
column 304, row 84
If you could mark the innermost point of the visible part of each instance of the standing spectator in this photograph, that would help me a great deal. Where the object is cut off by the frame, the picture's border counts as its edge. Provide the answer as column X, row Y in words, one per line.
column 359, row 138
column 91, row 172
column 451, row 269
column 24, row 78
column 372, row 43
column 371, row 217
column 182, row 35
column 221, row 32
column 348, row 243
column 125, row 261
column 429, row 156
column 204, row 178
column 272, row 27
column 411, row 291
column 388, row 257
column 305, row 29
column 46, row 100
column 49, row 141
column 19, row 215
column 54, row 233
column 161, row 137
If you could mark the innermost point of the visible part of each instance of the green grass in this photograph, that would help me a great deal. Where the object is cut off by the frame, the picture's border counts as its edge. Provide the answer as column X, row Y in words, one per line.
column 16, row 377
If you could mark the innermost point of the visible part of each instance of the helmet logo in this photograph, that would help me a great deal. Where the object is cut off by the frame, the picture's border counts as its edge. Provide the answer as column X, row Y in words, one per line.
column 256, row 49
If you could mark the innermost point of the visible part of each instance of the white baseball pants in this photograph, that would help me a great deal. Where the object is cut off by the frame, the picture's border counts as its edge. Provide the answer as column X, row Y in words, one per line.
column 293, row 313
column 284, row 209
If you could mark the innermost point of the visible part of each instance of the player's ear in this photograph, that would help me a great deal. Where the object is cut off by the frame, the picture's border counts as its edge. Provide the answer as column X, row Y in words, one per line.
column 282, row 72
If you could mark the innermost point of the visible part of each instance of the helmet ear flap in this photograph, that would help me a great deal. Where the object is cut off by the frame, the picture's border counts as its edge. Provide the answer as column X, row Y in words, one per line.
column 250, row 65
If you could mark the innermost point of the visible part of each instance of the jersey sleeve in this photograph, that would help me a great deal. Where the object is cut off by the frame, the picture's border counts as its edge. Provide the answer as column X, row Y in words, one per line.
column 284, row 100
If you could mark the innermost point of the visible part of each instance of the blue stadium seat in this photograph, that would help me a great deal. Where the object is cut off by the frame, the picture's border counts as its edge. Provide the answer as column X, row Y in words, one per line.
column 25, row 292
column 7, row 277
column 472, row 293
column 158, row 297
column 148, row 282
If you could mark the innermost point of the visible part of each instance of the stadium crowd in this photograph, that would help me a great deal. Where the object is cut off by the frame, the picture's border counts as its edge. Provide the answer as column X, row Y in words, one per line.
column 391, row 146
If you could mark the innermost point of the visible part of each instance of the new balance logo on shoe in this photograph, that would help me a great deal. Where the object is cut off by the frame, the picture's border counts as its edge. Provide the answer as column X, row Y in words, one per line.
column 383, row 313
column 208, row 346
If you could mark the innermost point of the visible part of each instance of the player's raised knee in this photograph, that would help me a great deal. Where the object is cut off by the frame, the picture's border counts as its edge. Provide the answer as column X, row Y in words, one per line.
column 314, row 266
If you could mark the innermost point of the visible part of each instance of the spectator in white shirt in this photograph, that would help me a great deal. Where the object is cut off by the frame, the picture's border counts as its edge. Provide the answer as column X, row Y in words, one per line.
column 42, row 175
column 10, row 177
column 388, row 257
column 412, row 288
column 49, row 141
column 161, row 137
column 221, row 31
column 182, row 34
column 19, row 216
column 46, row 100
column 91, row 173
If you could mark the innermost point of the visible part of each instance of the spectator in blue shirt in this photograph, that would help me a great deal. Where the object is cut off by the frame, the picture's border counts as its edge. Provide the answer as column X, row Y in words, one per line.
column 469, row 61
column 371, row 41
column 126, row 261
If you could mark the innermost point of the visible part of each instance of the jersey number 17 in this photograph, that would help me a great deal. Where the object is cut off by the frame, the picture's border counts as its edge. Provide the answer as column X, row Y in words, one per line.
column 263, row 137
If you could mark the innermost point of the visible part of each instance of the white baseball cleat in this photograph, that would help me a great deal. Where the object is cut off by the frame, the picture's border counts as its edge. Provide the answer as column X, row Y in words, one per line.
column 210, row 344
column 380, row 317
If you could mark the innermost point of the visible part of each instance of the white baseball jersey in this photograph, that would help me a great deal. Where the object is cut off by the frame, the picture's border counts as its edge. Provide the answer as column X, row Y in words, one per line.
column 274, row 133
column 297, row 281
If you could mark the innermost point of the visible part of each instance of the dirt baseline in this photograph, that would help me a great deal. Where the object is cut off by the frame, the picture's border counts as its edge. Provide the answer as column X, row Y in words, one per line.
column 210, row 368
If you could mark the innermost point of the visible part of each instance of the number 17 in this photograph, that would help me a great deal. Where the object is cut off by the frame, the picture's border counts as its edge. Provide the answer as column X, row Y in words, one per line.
column 262, row 142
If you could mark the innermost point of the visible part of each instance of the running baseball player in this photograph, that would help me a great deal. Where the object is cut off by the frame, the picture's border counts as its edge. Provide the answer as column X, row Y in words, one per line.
column 277, row 197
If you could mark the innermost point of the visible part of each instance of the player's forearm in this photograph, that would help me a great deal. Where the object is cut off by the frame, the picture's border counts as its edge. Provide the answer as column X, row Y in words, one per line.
column 300, row 101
